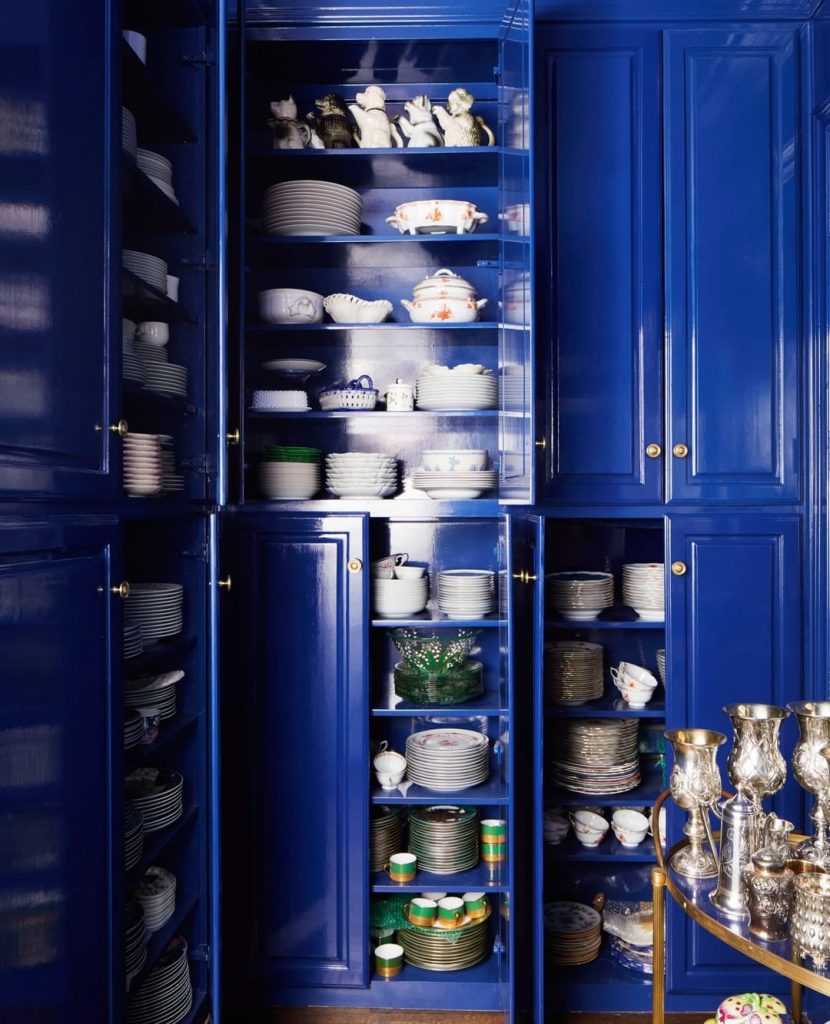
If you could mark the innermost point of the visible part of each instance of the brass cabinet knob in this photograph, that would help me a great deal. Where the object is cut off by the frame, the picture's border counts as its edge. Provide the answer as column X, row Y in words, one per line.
column 678, row 568
column 121, row 590
column 523, row 577
column 680, row 451
column 654, row 451
column 542, row 442
column 121, row 428
column 355, row 565
column 233, row 438
column 226, row 583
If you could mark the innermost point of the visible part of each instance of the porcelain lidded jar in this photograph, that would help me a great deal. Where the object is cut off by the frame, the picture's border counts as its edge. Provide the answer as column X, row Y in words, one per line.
column 444, row 297
column 769, row 884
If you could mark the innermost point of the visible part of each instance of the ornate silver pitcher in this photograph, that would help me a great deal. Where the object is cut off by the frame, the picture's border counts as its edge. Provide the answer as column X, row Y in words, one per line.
column 812, row 772
column 695, row 786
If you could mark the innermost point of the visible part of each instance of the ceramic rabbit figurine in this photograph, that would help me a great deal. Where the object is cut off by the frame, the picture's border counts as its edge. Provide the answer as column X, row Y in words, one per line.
column 289, row 133
column 460, row 127
column 419, row 127
column 331, row 125
column 373, row 125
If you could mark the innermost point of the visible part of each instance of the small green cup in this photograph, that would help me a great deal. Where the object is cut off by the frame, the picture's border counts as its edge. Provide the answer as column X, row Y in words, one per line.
column 475, row 904
column 389, row 959
column 494, row 830
column 493, row 853
column 402, row 867
column 450, row 911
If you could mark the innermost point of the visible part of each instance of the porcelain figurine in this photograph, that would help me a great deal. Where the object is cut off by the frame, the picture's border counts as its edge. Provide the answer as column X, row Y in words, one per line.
column 376, row 131
column 750, row 1008
column 332, row 125
column 289, row 133
column 460, row 127
column 419, row 127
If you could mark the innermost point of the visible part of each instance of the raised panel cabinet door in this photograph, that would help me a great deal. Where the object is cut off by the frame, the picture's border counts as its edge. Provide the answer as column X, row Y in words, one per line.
column 599, row 270
column 296, row 821
column 734, row 634
column 60, row 161
column 732, row 174
column 60, row 948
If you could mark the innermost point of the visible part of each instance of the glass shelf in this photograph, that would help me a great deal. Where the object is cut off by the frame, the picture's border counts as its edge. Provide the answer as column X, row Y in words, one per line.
column 597, row 624
column 607, row 707
column 339, row 414
column 493, row 791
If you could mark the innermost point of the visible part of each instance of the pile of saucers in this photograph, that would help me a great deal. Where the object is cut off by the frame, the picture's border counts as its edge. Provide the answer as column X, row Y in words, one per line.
column 159, row 169
column 455, row 485
column 289, row 472
column 150, row 269
column 156, row 895
column 573, row 933
column 596, row 755
column 447, row 760
column 135, row 944
column 129, row 135
column 361, row 475
column 436, row 950
column 580, row 595
column 444, row 838
column 166, row 995
column 573, row 671
column 157, row 795
column 133, row 641
column 133, row 728
column 385, row 835
column 466, row 593
column 280, row 401
column 133, row 835
column 142, row 466
column 311, row 208
column 643, row 589
column 157, row 608
column 154, row 692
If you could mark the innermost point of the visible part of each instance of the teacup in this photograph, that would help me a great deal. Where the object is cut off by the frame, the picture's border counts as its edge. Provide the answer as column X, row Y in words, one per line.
column 384, row 568
column 400, row 397
column 590, row 829
column 389, row 781
column 422, row 912
column 390, row 768
column 389, row 959
column 630, row 827
column 494, row 830
column 402, row 867
column 475, row 904
column 433, row 896
column 450, row 911
column 409, row 572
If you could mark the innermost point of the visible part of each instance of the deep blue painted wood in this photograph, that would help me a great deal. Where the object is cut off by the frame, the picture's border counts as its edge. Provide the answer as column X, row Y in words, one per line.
column 733, row 257
column 735, row 634
column 675, row 10
column 601, row 304
column 57, row 282
column 60, row 848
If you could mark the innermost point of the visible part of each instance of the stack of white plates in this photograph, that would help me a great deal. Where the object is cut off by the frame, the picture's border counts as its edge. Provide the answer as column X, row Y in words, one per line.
column 157, row 608
column 280, row 401
column 643, row 589
column 135, row 944
column 157, row 794
column 398, row 598
column 160, row 169
column 514, row 386
column 133, row 835
column 132, row 366
column 457, row 389
column 447, row 760
column 355, row 475
column 466, row 593
column 154, row 692
column 455, row 484
column 172, row 481
column 573, row 672
column 129, row 135
column 150, row 269
column 133, row 641
column 156, row 895
column 166, row 995
column 311, row 208
column 165, row 378
column 142, row 467
column 133, row 728
column 661, row 665
column 580, row 595
column 296, row 481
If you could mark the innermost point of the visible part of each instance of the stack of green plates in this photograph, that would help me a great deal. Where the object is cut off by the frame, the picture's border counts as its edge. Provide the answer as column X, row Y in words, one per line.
column 290, row 453
column 444, row 837
column 442, row 688
column 385, row 835
column 436, row 950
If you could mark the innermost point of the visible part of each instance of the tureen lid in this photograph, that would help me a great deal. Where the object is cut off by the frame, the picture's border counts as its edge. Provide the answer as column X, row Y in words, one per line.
column 441, row 279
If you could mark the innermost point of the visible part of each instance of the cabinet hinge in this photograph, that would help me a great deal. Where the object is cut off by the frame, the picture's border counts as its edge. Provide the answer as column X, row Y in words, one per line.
column 201, row 953
column 204, row 262
column 199, row 553
column 197, row 60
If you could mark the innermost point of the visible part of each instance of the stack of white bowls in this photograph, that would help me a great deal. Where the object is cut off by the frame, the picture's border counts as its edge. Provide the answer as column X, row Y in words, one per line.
column 142, row 465
column 455, row 473
column 397, row 598
column 279, row 401
column 643, row 589
column 132, row 366
column 150, row 269
column 466, row 593
column 129, row 135
column 288, row 480
column 159, row 169
column 467, row 386
column 359, row 475
column 311, row 208
column 580, row 595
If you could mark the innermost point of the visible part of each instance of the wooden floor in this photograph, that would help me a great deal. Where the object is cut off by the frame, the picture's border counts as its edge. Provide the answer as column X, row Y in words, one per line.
column 324, row 1015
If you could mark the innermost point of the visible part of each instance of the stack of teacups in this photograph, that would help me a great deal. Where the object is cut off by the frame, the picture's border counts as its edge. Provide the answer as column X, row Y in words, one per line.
column 390, row 767
column 132, row 365
column 290, row 472
column 361, row 476
column 589, row 828
column 466, row 593
column 159, row 169
column 493, row 840
column 635, row 683
column 630, row 827
column 556, row 827
column 580, row 595
column 405, row 594
column 142, row 464
column 643, row 589
column 402, row 867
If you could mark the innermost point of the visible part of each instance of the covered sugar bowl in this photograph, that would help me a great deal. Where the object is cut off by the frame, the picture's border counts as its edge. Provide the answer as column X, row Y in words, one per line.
column 768, row 884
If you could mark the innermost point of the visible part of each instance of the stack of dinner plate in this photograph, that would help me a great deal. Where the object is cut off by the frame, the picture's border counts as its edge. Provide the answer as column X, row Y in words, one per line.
column 358, row 475
column 132, row 367
column 643, row 589
column 466, row 593
column 447, row 760
column 661, row 665
column 135, row 944
column 142, row 467
column 129, row 135
column 573, row 933
column 385, row 835
column 133, row 728
column 150, row 269
column 458, row 388
column 311, row 208
column 172, row 481
column 157, row 691
column 166, row 994
column 596, row 755
column 444, row 837
column 436, row 950
column 573, row 671
column 456, row 484
column 156, row 895
column 157, row 608
column 160, row 375
column 133, row 641
column 160, row 169
column 133, row 835
column 157, row 795
column 580, row 595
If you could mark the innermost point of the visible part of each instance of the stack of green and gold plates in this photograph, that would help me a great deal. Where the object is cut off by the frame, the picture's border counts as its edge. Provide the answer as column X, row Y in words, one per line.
column 434, row 949
column 385, row 835
column 440, row 688
column 444, row 837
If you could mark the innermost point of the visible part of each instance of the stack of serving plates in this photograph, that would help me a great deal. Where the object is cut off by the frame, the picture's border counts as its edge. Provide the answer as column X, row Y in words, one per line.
column 580, row 595
column 361, row 476
column 157, row 608
column 129, row 135
column 455, row 485
column 447, row 760
column 514, row 387
column 385, row 835
column 290, row 472
column 573, row 672
column 135, row 944
column 133, row 835
column 596, row 755
column 160, row 169
column 457, row 389
column 133, row 641
column 172, row 481
column 643, row 589
column 154, row 692
column 156, row 895
column 311, row 208
column 142, row 466
column 150, row 269
column 157, row 794
column 132, row 366
column 573, row 933
column 437, row 950
column 133, row 728
column 466, row 593
column 444, row 837
column 166, row 994
column 160, row 375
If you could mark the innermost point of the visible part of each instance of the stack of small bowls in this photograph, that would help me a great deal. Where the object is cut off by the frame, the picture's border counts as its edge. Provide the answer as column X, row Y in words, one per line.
column 288, row 472
column 643, row 589
column 361, row 476
column 580, row 596
column 405, row 594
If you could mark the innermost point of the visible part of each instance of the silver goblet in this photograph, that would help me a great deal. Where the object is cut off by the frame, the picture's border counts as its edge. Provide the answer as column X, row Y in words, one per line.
column 695, row 786
column 812, row 772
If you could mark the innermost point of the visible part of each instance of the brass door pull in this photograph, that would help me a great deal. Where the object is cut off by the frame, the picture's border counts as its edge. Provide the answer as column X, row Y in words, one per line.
column 121, row 590
column 233, row 438
column 121, row 428
column 654, row 451
column 678, row 568
column 226, row 583
column 680, row 451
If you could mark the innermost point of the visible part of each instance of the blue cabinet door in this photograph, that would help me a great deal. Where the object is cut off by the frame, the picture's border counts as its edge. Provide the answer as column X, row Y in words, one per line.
column 60, row 847
column 599, row 277
column 732, row 172
column 60, row 159
column 735, row 628
column 295, row 765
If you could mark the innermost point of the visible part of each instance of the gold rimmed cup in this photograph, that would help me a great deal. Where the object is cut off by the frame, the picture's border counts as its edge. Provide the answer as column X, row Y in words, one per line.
column 389, row 959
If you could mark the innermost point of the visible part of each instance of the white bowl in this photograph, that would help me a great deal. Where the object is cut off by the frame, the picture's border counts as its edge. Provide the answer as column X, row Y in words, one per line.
column 437, row 216
column 290, row 306
column 454, row 460
column 349, row 309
